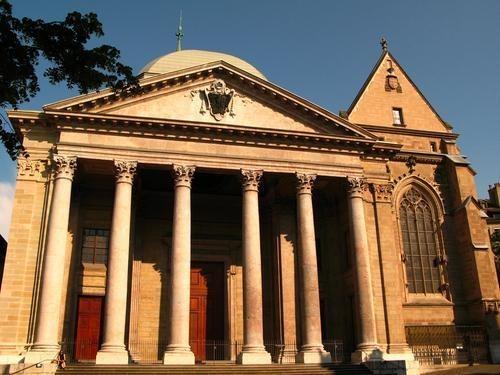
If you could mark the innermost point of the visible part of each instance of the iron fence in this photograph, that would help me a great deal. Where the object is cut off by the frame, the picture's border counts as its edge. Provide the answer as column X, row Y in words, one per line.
column 152, row 351
column 448, row 344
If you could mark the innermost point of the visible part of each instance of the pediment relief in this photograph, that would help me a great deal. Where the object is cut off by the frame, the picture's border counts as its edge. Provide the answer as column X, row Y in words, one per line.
column 219, row 101
column 250, row 102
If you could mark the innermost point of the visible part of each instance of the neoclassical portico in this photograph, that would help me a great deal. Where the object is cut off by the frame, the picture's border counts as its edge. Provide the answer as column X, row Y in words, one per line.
column 114, row 348
column 236, row 140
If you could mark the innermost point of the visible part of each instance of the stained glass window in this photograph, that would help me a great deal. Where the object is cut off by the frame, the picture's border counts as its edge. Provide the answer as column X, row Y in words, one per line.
column 420, row 243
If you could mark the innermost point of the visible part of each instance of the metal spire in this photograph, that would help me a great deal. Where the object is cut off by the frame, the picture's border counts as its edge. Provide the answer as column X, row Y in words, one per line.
column 179, row 34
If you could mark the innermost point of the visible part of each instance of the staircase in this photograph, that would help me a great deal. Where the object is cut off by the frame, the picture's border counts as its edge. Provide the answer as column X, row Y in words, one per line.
column 216, row 369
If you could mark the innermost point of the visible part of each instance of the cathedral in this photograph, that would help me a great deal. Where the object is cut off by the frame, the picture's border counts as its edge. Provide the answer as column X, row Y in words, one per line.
column 215, row 216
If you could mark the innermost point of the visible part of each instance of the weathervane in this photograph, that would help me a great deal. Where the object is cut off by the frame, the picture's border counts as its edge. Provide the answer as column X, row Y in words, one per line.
column 179, row 34
column 383, row 43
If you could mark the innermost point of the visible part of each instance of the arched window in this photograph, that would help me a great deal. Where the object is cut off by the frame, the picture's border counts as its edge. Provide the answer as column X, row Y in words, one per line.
column 420, row 243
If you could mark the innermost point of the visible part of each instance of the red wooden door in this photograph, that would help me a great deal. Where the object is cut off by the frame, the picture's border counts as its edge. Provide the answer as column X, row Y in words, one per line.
column 206, row 324
column 88, row 329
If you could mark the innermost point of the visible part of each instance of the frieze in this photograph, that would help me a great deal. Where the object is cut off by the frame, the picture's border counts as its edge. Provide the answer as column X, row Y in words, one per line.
column 413, row 159
column 382, row 192
column 183, row 175
column 28, row 168
column 250, row 179
column 305, row 182
column 125, row 170
column 64, row 166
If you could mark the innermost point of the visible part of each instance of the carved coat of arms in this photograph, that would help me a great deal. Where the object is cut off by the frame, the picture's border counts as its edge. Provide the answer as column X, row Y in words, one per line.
column 218, row 99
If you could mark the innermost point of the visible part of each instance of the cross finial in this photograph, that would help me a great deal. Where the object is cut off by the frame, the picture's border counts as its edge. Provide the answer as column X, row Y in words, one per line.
column 383, row 43
column 179, row 34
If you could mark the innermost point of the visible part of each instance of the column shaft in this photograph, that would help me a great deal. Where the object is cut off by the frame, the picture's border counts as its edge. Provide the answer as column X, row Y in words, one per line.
column 364, row 291
column 113, row 349
column 49, row 307
column 253, row 351
column 178, row 350
column 312, row 350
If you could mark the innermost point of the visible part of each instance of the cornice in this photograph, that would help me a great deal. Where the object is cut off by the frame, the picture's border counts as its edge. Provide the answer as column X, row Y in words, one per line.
column 419, row 157
column 406, row 131
column 279, row 138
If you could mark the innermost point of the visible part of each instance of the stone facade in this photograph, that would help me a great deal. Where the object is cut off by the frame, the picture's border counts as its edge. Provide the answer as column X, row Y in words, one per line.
column 302, row 208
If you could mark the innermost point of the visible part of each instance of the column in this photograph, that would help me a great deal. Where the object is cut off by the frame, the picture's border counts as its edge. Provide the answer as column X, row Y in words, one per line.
column 113, row 350
column 178, row 351
column 312, row 350
column 253, row 351
column 51, row 288
column 364, row 293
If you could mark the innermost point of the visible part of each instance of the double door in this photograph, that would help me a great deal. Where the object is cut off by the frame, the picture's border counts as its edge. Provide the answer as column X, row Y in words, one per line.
column 88, row 329
column 206, row 323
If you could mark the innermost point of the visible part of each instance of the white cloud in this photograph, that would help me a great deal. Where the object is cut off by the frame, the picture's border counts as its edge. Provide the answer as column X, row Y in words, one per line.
column 6, row 202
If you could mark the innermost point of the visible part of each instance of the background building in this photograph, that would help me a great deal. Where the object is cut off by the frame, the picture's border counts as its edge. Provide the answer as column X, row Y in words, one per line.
column 491, row 207
column 217, row 216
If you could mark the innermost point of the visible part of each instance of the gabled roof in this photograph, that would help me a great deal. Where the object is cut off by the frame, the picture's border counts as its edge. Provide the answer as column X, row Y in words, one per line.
column 83, row 103
column 379, row 62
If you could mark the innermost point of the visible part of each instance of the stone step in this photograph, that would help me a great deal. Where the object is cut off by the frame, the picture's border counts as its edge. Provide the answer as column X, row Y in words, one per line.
column 225, row 369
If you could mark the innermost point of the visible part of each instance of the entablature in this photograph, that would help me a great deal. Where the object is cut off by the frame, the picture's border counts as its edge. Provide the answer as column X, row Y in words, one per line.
column 197, row 131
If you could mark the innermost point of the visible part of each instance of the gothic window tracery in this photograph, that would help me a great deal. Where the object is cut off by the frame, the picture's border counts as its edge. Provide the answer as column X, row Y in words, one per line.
column 420, row 242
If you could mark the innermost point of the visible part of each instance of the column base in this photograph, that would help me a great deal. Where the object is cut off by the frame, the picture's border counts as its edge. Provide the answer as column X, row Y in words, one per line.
column 313, row 356
column 112, row 357
column 10, row 359
column 178, row 357
column 394, row 366
column 45, row 368
column 495, row 351
column 254, row 357
column 367, row 353
column 376, row 360
column 287, row 355
column 41, row 355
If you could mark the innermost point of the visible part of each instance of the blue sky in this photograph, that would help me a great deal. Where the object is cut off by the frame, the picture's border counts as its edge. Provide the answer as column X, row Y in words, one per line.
column 320, row 50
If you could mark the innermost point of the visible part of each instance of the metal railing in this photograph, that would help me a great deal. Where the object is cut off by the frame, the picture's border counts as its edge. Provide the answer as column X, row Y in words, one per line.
column 448, row 344
column 151, row 351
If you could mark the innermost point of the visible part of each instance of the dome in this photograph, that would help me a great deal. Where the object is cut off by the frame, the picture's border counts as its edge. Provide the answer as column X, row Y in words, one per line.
column 179, row 60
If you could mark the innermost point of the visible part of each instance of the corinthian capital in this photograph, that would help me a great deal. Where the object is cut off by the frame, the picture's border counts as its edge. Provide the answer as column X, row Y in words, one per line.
column 183, row 175
column 125, row 170
column 64, row 166
column 250, row 179
column 357, row 185
column 305, row 182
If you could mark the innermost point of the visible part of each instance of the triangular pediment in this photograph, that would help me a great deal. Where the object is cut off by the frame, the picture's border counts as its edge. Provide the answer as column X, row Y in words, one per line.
column 388, row 86
column 183, row 96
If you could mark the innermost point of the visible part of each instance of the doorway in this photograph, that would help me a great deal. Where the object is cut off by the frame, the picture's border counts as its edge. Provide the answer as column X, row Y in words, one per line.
column 206, row 323
column 88, row 328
